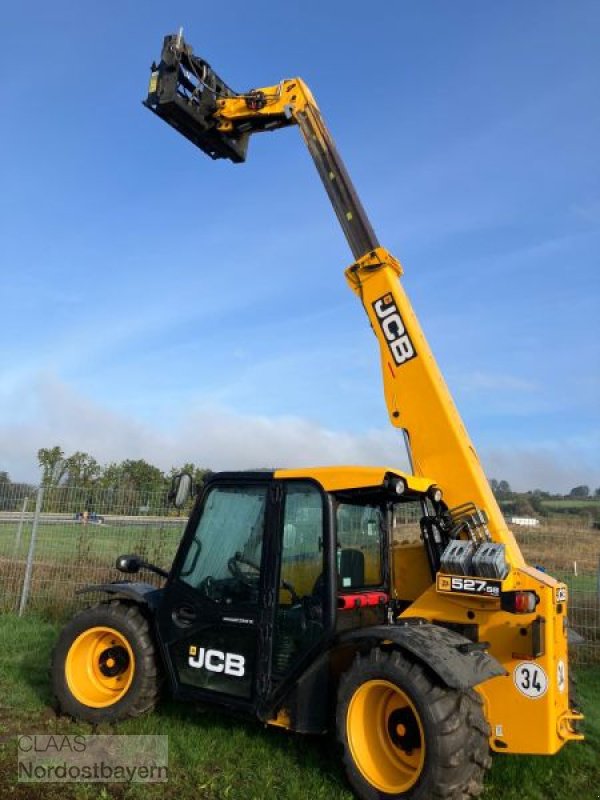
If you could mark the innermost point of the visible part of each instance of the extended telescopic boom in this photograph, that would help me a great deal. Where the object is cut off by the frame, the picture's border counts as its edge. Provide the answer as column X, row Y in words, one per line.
column 187, row 93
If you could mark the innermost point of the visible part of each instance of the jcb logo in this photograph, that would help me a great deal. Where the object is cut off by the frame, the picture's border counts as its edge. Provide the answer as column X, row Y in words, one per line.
column 217, row 661
column 395, row 333
column 561, row 594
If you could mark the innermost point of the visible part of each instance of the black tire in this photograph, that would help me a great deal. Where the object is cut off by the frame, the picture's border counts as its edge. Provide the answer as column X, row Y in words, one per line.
column 453, row 725
column 144, row 667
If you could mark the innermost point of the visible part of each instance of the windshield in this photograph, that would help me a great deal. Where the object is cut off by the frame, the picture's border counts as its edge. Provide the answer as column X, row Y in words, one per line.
column 225, row 552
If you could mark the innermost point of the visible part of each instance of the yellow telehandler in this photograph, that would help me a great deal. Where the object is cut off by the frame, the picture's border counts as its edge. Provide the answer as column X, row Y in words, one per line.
column 392, row 607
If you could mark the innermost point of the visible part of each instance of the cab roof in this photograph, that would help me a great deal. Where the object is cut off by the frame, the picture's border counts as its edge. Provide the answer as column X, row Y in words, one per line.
column 335, row 479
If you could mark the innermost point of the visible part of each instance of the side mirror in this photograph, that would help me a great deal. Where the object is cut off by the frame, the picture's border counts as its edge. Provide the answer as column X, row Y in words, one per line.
column 133, row 564
column 129, row 564
column 181, row 489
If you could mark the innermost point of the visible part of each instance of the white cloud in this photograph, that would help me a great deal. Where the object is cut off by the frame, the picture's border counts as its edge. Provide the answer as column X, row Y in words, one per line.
column 221, row 438
column 211, row 436
column 555, row 468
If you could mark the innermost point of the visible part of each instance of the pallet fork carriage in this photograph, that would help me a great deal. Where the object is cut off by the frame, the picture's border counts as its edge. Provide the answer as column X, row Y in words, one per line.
column 289, row 599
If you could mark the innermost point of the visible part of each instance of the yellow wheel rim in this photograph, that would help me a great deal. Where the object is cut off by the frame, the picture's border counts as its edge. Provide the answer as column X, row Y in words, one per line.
column 385, row 736
column 99, row 667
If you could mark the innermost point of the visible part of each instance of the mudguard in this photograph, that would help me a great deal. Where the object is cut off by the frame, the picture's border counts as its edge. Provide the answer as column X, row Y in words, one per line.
column 142, row 593
column 456, row 660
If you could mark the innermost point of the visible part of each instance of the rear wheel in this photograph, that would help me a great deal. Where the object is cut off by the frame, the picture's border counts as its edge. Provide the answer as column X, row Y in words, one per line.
column 104, row 665
column 405, row 736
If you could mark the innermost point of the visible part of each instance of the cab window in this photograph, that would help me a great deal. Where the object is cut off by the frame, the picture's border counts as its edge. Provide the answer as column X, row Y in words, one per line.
column 360, row 536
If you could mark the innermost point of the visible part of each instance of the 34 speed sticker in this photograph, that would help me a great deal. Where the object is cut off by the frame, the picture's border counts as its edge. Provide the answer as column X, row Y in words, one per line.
column 530, row 679
column 461, row 585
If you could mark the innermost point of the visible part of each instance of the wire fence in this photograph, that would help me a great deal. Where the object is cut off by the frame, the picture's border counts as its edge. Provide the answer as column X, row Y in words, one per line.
column 55, row 541
column 568, row 547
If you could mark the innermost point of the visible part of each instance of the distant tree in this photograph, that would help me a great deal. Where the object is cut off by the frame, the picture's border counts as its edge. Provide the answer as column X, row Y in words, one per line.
column 81, row 469
column 535, row 501
column 144, row 476
column 524, row 505
column 5, row 490
column 52, row 464
column 580, row 491
column 501, row 490
column 597, row 492
column 135, row 485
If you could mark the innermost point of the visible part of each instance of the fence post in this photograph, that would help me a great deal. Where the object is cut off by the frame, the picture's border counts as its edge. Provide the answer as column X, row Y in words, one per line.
column 20, row 528
column 31, row 552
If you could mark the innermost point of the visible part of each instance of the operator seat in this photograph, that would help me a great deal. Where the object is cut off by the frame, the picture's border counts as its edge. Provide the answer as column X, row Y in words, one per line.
column 351, row 572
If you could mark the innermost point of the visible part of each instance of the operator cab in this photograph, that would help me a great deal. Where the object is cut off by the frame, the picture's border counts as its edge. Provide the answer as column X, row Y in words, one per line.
column 273, row 564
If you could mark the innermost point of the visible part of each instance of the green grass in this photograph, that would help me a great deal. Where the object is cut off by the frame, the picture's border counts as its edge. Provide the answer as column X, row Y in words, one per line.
column 69, row 555
column 572, row 504
column 63, row 542
column 578, row 583
column 213, row 757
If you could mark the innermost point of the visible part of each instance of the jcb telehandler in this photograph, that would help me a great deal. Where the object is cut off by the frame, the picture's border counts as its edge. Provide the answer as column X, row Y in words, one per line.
column 303, row 597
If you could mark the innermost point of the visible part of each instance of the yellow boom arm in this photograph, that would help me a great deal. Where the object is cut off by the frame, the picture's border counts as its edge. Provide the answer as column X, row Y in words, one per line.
column 416, row 394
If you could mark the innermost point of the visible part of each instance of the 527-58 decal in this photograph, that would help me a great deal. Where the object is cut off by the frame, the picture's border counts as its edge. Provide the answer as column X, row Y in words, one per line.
column 479, row 586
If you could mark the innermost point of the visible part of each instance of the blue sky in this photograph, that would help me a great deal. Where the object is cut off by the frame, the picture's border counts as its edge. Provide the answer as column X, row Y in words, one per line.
column 160, row 305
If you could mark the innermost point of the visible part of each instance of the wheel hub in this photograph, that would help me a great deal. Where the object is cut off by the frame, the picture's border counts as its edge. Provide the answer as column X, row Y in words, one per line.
column 113, row 661
column 403, row 730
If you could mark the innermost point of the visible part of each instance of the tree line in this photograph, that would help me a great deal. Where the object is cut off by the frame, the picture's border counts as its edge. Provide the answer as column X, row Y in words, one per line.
column 78, row 482
column 532, row 503
column 82, row 470
column 136, row 486
column 502, row 490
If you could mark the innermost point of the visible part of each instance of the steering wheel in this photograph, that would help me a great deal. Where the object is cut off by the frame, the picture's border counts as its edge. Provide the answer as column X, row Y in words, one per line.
column 233, row 565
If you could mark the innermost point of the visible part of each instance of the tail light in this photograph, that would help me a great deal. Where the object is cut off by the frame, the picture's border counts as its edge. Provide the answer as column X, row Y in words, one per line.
column 519, row 602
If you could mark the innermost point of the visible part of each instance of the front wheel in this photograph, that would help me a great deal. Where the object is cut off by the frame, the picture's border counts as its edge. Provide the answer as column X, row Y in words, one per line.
column 405, row 736
column 104, row 665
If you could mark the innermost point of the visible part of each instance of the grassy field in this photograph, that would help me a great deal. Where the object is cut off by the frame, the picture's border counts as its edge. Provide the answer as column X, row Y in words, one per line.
column 70, row 555
column 213, row 757
column 573, row 504
column 72, row 541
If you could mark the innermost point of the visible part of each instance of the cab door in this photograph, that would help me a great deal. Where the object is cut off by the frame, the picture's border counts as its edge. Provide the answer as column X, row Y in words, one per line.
column 304, row 610
column 215, row 603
